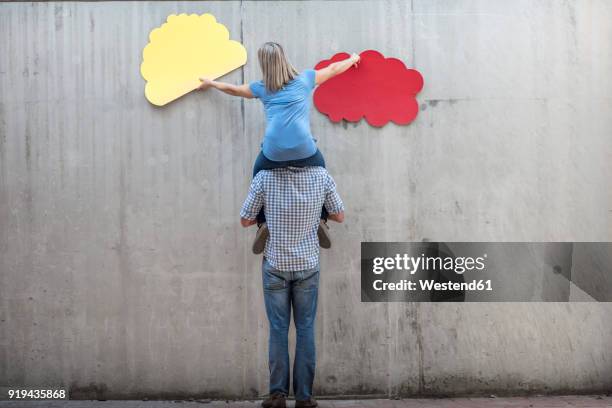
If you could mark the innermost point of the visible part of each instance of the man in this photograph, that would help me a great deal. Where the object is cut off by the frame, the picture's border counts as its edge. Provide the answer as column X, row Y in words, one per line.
column 292, row 198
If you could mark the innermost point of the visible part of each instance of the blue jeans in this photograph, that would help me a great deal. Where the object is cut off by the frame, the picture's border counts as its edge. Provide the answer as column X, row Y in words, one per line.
column 283, row 290
column 263, row 163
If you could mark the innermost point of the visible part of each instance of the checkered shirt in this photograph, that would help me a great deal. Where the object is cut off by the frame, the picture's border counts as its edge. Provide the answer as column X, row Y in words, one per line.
column 292, row 198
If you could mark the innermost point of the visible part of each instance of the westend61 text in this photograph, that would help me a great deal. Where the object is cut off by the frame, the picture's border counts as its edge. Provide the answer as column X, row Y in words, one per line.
column 404, row 284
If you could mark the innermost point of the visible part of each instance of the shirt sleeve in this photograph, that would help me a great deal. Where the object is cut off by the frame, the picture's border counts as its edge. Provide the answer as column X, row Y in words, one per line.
column 254, row 200
column 310, row 77
column 333, row 202
column 256, row 88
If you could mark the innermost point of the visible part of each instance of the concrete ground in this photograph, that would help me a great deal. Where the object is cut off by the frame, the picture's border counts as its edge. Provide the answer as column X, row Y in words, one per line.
column 515, row 402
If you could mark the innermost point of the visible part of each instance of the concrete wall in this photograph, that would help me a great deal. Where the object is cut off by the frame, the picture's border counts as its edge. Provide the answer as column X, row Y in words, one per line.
column 125, row 273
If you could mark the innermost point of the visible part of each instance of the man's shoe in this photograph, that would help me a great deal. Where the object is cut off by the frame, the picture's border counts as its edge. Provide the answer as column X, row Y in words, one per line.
column 323, row 234
column 260, row 239
column 309, row 403
column 275, row 400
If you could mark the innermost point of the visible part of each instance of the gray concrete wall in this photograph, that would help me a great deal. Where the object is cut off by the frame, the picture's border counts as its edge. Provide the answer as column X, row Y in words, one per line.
column 125, row 273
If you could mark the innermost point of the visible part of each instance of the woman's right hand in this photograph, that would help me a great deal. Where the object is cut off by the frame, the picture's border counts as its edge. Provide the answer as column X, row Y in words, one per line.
column 356, row 58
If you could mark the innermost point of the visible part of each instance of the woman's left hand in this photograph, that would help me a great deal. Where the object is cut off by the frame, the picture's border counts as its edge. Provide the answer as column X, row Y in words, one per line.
column 205, row 84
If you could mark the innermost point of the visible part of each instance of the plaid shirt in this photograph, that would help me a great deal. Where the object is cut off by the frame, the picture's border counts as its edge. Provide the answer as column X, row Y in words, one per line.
column 292, row 198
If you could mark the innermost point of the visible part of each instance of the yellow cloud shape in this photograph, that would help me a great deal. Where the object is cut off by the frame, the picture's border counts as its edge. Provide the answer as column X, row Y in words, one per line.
column 183, row 49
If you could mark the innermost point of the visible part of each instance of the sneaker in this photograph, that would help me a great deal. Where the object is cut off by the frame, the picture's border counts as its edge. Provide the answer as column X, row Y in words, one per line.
column 260, row 239
column 323, row 234
column 309, row 403
column 276, row 400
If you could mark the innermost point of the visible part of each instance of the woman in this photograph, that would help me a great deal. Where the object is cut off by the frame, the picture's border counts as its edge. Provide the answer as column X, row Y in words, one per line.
column 287, row 141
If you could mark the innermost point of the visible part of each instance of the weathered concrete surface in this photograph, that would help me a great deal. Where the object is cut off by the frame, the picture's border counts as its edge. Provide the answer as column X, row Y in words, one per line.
column 124, row 272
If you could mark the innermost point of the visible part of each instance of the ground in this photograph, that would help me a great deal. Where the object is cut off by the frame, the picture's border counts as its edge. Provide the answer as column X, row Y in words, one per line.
column 590, row 401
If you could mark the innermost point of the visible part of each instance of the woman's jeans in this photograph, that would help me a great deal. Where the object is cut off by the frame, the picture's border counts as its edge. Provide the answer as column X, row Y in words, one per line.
column 263, row 163
column 282, row 291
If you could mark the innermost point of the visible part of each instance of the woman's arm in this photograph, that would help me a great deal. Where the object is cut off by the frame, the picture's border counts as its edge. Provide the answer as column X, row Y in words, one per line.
column 234, row 90
column 330, row 71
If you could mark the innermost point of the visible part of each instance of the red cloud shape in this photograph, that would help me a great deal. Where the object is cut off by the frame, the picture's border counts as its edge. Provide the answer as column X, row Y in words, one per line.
column 381, row 89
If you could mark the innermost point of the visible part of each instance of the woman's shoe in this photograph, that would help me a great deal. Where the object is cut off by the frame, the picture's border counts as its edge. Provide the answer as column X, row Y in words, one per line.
column 260, row 239
column 323, row 234
column 275, row 400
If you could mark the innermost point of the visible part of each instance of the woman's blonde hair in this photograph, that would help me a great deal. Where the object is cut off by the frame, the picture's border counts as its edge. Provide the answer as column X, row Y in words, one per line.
column 275, row 67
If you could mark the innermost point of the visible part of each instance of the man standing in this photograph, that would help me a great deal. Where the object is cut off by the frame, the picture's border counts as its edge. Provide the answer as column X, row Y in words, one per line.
column 292, row 198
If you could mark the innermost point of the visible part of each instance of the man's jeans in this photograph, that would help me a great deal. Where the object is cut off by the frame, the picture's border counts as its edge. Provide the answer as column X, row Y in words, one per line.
column 282, row 290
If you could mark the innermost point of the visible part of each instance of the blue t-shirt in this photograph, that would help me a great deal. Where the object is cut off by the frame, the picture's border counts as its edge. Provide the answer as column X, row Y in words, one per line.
column 287, row 134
